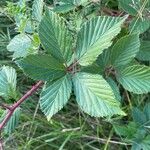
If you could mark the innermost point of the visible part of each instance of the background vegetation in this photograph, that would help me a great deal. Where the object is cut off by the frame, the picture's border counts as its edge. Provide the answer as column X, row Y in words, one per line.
column 71, row 129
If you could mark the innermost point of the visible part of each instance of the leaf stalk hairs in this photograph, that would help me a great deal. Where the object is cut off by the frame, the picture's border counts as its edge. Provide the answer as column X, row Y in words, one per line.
column 110, row 70
column 74, row 67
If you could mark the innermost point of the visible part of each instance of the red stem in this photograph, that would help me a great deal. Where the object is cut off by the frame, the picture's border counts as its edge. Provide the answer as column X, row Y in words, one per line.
column 70, row 68
column 18, row 103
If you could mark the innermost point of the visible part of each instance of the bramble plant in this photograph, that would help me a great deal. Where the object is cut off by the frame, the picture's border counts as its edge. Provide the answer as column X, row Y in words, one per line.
column 94, row 59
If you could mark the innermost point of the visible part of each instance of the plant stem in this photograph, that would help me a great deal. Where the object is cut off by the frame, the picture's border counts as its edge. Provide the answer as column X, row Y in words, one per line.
column 128, row 98
column 105, row 140
column 18, row 103
column 72, row 67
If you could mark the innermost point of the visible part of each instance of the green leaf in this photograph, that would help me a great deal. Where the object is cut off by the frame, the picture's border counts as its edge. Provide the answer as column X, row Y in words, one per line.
column 94, row 69
column 147, row 113
column 139, row 25
column 138, row 116
column 37, row 9
column 13, row 122
column 55, row 95
column 55, row 37
column 115, row 88
column 146, row 143
column 95, row 36
column 148, row 4
column 35, row 43
column 42, row 67
column 95, row 96
column 135, row 78
column 127, row 131
column 103, row 60
column 130, row 6
column 144, row 53
column 141, row 143
column 4, row 39
column 142, row 117
column 68, row 5
column 20, row 45
column 7, row 82
column 125, row 50
column 65, row 7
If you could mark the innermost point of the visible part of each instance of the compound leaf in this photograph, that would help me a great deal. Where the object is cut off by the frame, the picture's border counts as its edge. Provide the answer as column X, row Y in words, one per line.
column 95, row 96
column 55, row 95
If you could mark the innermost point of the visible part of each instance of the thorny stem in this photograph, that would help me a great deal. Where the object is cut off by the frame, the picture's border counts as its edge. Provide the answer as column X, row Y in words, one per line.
column 12, row 108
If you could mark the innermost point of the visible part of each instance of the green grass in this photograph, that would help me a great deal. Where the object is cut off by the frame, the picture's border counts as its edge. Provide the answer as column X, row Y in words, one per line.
column 69, row 129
